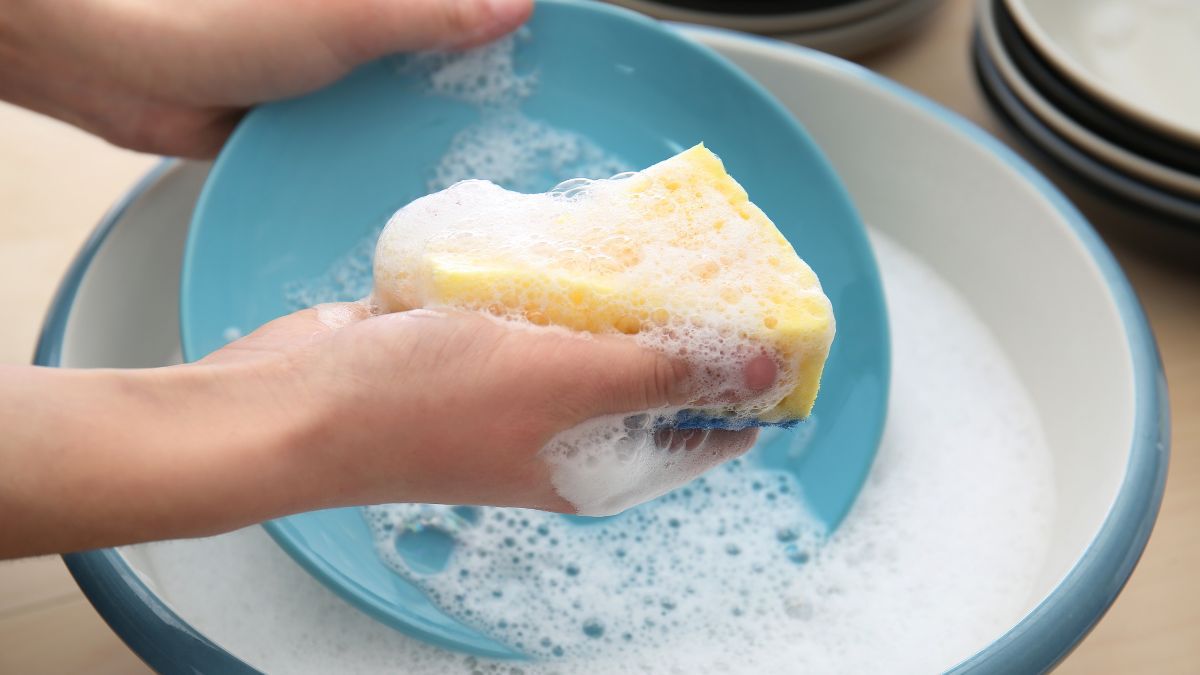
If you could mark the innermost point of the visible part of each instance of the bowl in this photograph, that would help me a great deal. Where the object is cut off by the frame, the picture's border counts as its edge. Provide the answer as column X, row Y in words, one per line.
column 1086, row 110
column 775, row 16
column 1136, row 57
column 1181, row 177
column 961, row 201
column 1170, row 207
column 301, row 183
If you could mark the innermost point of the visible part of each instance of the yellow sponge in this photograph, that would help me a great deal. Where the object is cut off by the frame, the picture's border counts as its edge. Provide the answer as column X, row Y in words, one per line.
column 674, row 252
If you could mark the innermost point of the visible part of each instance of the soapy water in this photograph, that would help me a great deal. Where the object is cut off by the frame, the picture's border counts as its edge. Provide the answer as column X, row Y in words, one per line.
column 730, row 573
column 937, row 558
column 615, row 586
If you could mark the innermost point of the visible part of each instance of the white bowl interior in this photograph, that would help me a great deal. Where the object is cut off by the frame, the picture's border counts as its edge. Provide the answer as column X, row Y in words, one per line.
column 139, row 265
column 928, row 185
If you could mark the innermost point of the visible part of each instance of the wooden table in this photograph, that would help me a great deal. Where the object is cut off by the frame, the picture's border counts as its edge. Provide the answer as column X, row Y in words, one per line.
column 56, row 182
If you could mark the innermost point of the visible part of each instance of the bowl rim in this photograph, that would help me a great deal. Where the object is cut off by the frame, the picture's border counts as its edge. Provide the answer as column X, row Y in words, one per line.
column 1038, row 641
column 1066, row 63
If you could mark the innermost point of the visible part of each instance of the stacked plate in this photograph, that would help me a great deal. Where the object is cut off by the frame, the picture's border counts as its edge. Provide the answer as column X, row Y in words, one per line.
column 1106, row 89
column 844, row 27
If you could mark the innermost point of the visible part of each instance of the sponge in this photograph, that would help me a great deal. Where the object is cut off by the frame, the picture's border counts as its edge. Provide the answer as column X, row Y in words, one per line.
column 676, row 255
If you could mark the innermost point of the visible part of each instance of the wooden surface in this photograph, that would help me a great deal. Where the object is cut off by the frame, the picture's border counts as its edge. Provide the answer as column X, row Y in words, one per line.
column 56, row 182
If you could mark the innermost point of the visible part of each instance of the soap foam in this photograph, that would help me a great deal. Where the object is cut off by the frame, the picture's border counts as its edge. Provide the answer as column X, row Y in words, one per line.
column 694, row 288
column 937, row 557
column 720, row 576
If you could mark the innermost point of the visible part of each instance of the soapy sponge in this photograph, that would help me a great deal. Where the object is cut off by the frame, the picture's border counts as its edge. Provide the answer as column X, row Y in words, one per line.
column 676, row 255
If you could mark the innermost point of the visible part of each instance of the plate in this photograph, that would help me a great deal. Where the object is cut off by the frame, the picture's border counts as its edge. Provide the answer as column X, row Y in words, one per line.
column 302, row 182
column 1113, row 182
column 1177, row 172
column 1137, row 57
column 762, row 17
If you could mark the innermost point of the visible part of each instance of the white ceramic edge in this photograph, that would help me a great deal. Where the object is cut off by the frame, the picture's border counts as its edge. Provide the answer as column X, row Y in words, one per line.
column 1098, row 88
column 1125, row 160
column 765, row 23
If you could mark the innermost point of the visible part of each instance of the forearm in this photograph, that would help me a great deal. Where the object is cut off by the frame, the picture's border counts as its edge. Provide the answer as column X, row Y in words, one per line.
column 104, row 457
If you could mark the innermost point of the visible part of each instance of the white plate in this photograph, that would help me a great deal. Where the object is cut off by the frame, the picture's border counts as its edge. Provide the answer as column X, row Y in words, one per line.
column 1129, row 162
column 1139, row 57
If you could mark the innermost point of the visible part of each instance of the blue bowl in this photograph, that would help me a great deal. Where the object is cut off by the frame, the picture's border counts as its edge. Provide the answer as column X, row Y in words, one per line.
column 302, row 181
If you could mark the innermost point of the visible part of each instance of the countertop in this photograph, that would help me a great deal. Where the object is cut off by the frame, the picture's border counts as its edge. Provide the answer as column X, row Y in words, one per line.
column 56, row 182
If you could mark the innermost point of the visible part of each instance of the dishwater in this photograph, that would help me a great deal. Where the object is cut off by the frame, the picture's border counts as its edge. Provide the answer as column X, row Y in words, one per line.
column 729, row 574
column 937, row 557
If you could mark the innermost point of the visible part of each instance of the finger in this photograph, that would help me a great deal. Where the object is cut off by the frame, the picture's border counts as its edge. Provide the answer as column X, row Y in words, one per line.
column 725, row 445
column 371, row 28
column 612, row 375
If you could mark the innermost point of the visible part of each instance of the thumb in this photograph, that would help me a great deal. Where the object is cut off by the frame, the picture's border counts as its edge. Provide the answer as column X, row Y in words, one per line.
column 616, row 375
column 380, row 27
column 290, row 331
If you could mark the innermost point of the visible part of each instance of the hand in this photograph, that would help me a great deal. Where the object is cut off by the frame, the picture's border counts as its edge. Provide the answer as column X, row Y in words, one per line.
column 322, row 408
column 174, row 77
column 453, row 407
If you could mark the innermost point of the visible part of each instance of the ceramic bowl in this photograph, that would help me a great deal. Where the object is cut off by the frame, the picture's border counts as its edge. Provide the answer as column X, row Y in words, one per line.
column 1166, row 206
column 762, row 17
column 1183, row 181
column 1092, row 113
column 960, row 200
column 302, row 182
column 1137, row 57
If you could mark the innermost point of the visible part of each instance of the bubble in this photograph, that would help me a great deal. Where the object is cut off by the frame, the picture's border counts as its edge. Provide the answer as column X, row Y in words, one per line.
column 593, row 628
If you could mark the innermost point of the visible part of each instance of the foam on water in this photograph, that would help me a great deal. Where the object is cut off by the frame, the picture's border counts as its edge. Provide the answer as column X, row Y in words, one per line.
column 730, row 574
column 937, row 557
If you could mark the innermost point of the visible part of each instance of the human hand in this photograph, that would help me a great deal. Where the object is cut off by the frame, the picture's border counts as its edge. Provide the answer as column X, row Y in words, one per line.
column 326, row 407
column 175, row 77
column 453, row 407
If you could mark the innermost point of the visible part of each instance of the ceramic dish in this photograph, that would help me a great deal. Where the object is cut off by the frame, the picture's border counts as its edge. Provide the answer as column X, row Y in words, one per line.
column 1141, row 168
column 1138, row 57
column 1089, row 112
column 1175, row 209
column 877, row 31
column 963, row 202
column 762, row 17
column 650, row 94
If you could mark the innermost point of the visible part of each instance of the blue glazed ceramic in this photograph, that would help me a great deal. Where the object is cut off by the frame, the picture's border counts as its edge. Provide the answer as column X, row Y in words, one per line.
column 166, row 641
column 302, row 181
